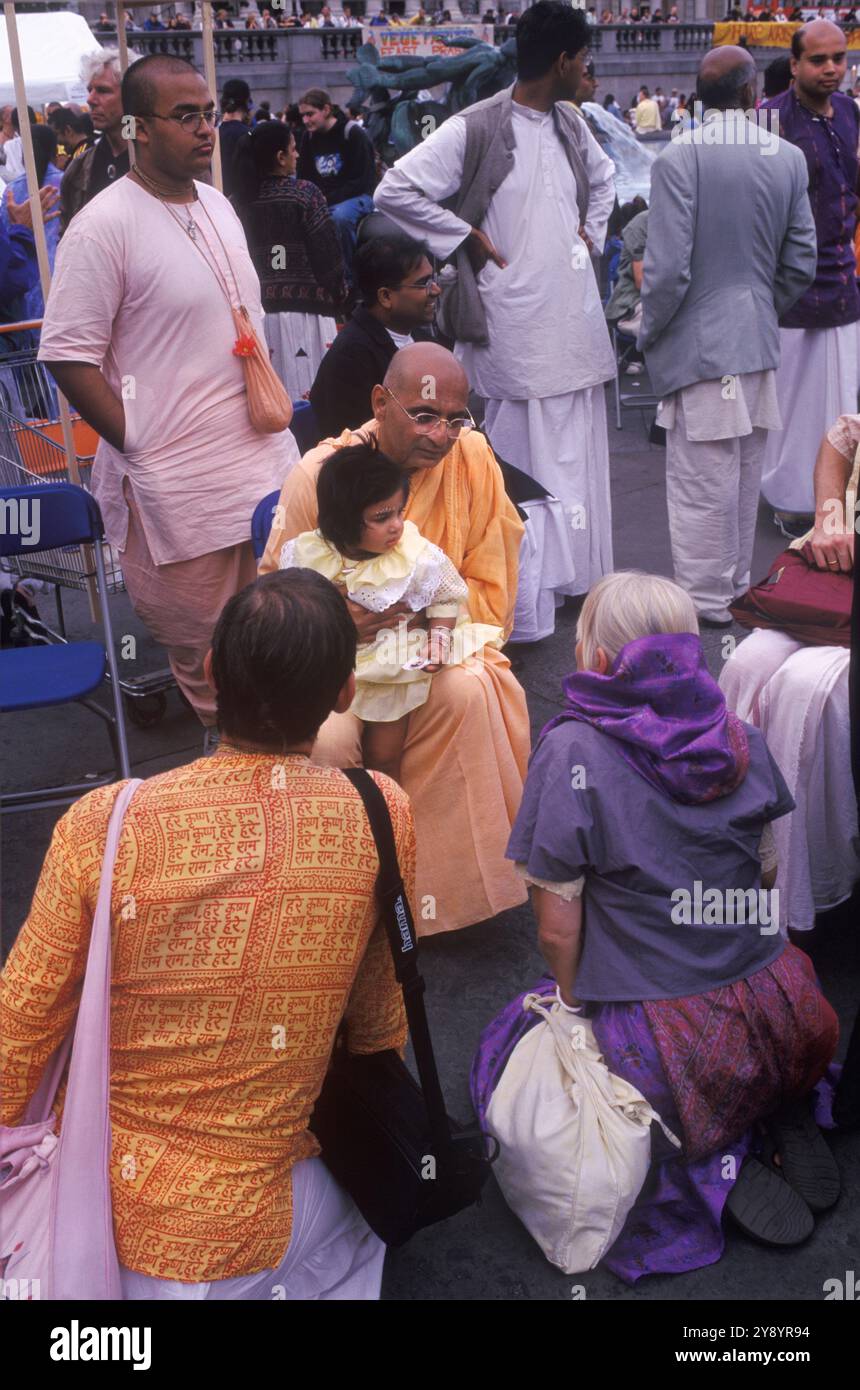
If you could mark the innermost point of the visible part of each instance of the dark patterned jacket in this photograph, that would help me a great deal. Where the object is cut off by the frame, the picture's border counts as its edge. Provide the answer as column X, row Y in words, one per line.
column 92, row 168
column 295, row 248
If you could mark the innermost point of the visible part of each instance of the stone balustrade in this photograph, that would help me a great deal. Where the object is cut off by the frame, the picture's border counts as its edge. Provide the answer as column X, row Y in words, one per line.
column 639, row 39
column 237, row 46
column 279, row 64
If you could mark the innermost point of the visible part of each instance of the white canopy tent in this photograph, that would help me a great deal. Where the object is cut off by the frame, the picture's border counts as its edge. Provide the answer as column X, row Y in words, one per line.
column 52, row 46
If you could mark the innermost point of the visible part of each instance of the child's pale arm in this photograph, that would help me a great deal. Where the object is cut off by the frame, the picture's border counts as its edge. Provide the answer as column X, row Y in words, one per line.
column 442, row 619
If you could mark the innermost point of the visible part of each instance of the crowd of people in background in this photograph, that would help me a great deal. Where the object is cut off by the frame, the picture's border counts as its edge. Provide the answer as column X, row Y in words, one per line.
column 257, row 16
column 260, row 17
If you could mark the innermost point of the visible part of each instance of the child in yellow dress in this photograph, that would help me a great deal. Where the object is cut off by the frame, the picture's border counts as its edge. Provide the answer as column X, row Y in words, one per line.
column 364, row 545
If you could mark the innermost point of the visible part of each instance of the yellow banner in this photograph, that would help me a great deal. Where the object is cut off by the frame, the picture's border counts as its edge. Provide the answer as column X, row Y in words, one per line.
column 767, row 35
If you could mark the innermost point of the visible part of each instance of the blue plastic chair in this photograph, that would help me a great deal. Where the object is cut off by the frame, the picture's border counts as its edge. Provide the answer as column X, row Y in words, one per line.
column 304, row 426
column 48, row 517
column 306, row 432
column 261, row 523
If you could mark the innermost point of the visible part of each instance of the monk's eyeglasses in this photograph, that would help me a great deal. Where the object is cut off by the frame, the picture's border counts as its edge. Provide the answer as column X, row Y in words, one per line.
column 425, row 423
column 192, row 122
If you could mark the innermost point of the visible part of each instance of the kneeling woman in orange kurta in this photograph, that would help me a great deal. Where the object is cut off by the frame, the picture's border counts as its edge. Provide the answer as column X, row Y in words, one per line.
column 466, row 749
column 245, row 926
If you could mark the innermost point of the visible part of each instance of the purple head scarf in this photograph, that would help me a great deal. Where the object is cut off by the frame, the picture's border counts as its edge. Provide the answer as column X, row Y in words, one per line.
column 667, row 713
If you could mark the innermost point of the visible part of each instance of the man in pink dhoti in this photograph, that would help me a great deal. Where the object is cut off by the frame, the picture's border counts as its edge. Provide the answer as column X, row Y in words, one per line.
column 466, row 749
column 139, row 334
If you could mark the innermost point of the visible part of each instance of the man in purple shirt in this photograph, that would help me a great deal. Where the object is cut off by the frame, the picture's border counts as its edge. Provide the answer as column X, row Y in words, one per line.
column 819, row 373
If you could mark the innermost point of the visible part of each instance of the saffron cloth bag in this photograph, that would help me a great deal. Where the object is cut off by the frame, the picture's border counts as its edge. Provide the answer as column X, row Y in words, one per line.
column 574, row 1140
column 270, row 409
column 56, row 1217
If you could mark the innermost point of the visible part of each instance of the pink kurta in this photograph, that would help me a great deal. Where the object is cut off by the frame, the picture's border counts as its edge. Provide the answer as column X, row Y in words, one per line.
column 132, row 295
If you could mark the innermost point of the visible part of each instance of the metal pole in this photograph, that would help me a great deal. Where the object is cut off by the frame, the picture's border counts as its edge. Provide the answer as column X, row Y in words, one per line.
column 41, row 244
column 122, row 45
column 36, row 212
column 209, row 74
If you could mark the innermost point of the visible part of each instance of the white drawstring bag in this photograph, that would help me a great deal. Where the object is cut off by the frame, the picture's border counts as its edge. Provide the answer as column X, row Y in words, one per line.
column 575, row 1141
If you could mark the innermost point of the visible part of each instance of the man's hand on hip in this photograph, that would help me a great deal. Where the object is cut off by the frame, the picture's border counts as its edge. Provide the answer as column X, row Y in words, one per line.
column 480, row 249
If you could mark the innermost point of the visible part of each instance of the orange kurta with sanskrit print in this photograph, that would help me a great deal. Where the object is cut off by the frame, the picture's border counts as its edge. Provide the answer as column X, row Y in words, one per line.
column 243, row 922
column 466, row 749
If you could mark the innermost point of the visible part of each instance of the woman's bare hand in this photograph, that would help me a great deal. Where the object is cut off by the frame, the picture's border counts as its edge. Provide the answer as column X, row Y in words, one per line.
column 833, row 550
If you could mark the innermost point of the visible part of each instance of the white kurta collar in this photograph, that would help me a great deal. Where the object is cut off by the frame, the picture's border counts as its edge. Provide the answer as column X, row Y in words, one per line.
column 529, row 113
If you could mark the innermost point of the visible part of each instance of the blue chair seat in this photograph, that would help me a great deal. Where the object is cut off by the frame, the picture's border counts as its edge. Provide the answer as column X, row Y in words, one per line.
column 306, row 431
column 32, row 677
column 261, row 523
column 51, row 516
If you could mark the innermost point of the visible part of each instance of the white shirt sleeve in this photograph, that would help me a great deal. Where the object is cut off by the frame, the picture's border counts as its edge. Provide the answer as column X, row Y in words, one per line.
column 452, row 588
column 411, row 192
column 601, row 174
column 572, row 888
column 85, row 297
column 13, row 164
column 287, row 558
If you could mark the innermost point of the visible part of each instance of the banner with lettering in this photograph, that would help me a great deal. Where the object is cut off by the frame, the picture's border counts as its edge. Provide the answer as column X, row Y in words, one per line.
column 767, row 35
column 408, row 41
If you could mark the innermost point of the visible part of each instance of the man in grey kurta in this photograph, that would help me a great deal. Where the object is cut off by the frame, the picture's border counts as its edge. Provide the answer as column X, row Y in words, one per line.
column 731, row 246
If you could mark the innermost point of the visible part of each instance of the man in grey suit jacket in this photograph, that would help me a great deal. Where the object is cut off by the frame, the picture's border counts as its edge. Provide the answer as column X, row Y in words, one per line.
column 731, row 246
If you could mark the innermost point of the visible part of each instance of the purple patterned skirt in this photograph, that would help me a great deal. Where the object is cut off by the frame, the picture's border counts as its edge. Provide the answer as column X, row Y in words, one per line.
column 676, row 1053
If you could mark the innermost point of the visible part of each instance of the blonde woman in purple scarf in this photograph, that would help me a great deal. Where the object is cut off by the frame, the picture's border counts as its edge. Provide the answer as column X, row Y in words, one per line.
column 644, row 835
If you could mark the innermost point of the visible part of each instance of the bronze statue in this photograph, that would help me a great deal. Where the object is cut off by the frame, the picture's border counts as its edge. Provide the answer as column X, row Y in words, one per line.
column 396, row 120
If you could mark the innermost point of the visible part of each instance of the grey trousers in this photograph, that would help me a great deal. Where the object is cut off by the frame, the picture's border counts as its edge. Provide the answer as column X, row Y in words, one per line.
column 712, row 491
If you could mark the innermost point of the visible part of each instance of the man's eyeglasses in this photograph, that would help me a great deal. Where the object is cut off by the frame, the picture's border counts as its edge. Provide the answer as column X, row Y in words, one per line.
column 191, row 121
column 425, row 423
column 425, row 285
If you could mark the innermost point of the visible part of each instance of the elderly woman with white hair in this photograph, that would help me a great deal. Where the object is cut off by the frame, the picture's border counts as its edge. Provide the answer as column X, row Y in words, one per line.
column 644, row 834
column 98, row 166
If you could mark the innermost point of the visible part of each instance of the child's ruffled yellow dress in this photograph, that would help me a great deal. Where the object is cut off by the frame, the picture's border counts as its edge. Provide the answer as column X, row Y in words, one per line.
column 414, row 572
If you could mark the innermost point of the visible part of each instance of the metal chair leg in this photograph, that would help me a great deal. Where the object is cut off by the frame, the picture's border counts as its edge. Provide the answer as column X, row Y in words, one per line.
column 124, row 764
column 61, row 617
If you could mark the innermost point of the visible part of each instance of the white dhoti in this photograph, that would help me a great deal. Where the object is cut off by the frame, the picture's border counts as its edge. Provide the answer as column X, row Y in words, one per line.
column 333, row 1255
column 712, row 493
column 818, row 380
column 716, row 433
column 798, row 697
column 544, row 569
column 561, row 441
column 297, row 345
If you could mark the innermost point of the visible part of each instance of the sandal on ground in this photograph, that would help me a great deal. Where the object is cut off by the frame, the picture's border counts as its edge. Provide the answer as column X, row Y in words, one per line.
column 767, row 1209
column 806, row 1163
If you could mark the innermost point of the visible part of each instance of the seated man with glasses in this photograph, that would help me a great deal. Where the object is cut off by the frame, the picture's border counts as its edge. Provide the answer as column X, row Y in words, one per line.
column 464, row 757
column 398, row 297
column 139, row 333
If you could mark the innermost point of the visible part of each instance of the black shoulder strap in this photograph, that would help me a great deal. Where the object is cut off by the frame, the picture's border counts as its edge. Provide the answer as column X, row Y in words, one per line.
column 400, row 929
